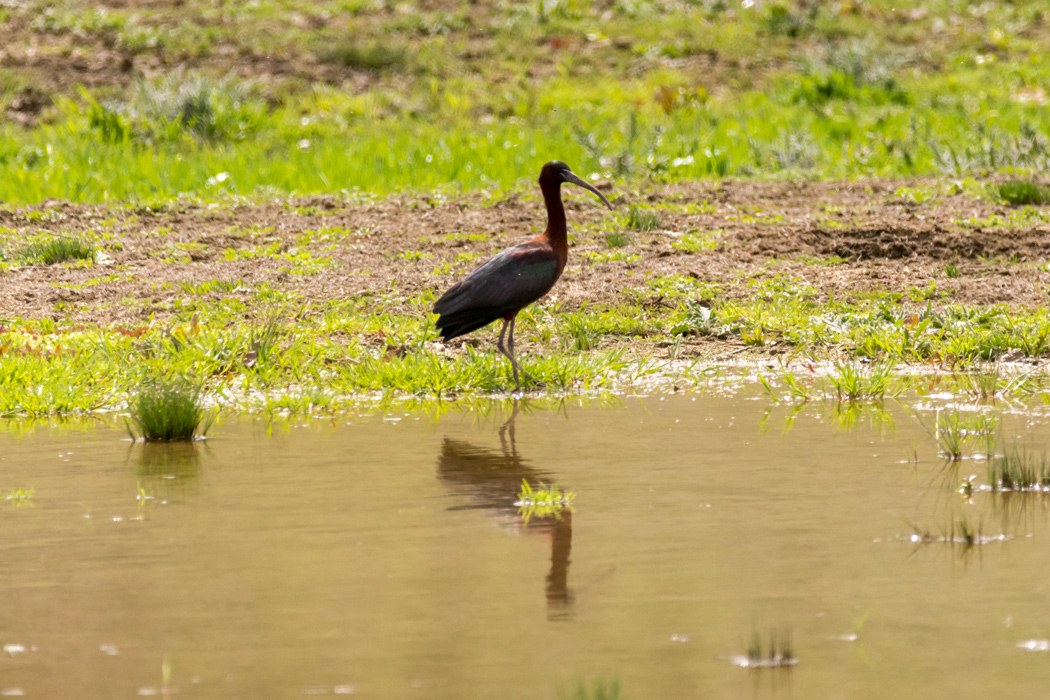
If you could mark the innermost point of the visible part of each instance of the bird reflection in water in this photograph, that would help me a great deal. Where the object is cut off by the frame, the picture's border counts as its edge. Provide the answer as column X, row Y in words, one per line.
column 491, row 479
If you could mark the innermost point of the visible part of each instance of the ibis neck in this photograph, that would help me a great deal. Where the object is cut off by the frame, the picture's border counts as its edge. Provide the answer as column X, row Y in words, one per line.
column 556, row 228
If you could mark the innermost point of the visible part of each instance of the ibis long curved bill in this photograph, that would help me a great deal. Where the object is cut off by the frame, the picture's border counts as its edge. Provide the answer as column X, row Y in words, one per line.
column 577, row 180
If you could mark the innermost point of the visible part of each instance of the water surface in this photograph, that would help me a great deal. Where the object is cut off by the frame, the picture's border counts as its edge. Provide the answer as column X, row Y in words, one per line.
column 382, row 556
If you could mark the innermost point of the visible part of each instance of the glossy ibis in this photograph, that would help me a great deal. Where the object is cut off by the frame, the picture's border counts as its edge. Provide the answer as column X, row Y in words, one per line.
column 514, row 278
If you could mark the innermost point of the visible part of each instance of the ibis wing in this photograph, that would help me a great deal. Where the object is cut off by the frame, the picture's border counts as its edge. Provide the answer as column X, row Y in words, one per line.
column 509, row 280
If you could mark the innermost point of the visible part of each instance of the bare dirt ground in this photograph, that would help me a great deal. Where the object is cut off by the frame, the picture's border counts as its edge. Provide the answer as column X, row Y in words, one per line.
column 326, row 249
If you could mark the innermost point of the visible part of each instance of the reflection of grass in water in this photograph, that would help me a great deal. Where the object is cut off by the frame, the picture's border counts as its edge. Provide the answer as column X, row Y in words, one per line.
column 848, row 415
column 166, row 470
column 779, row 654
column 543, row 501
column 597, row 690
column 983, row 386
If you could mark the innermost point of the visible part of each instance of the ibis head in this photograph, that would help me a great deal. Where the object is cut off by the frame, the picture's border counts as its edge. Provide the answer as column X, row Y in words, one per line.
column 555, row 172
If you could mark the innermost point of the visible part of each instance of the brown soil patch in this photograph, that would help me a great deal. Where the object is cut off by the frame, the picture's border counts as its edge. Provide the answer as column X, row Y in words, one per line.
column 327, row 249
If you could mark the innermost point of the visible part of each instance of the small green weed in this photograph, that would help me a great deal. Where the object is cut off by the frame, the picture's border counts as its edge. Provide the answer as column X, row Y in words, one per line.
column 20, row 497
column 543, row 501
column 696, row 241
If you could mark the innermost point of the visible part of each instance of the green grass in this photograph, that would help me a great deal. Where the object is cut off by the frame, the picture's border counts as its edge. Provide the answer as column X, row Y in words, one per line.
column 1023, row 192
column 470, row 100
column 543, row 501
column 694, row 241
column 640, row 219
column 854, row 382
column 352, row 54
column 167, row 409
column 958, row 433
column 1019, row 470
column 56, row 249
column 261, row 347
column 617, row 239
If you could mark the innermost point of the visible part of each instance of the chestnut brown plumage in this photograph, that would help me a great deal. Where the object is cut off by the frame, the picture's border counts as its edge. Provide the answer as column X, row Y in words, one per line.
column 514, row 278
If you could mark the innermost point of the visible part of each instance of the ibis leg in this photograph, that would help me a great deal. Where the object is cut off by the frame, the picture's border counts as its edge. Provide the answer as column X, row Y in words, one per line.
column 503, row 350
column 508, row 352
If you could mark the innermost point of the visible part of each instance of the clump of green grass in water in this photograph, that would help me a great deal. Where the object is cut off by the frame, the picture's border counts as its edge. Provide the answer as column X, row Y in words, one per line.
column 852, row 382
column 639, row 219
column 543, row 501
column 780, row 653
column 1019, row 471
column 20, row 497
column 955, row 433
column 983, row 386
column 168, row 409
column 57, row 249
column 1022, row 192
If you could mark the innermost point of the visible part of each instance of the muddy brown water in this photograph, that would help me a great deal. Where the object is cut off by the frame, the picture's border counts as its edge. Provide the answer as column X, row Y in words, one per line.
column 382, row 556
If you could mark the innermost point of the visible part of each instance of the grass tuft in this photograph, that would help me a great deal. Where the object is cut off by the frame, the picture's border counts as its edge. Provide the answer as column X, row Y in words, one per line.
column 350, row 53
column 955, row 433
column 1019, row 471
column 639, row 219
column 853, row 383
column 167, row 409
column 57, row 249
column 1022, row 192
column 617, row 239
